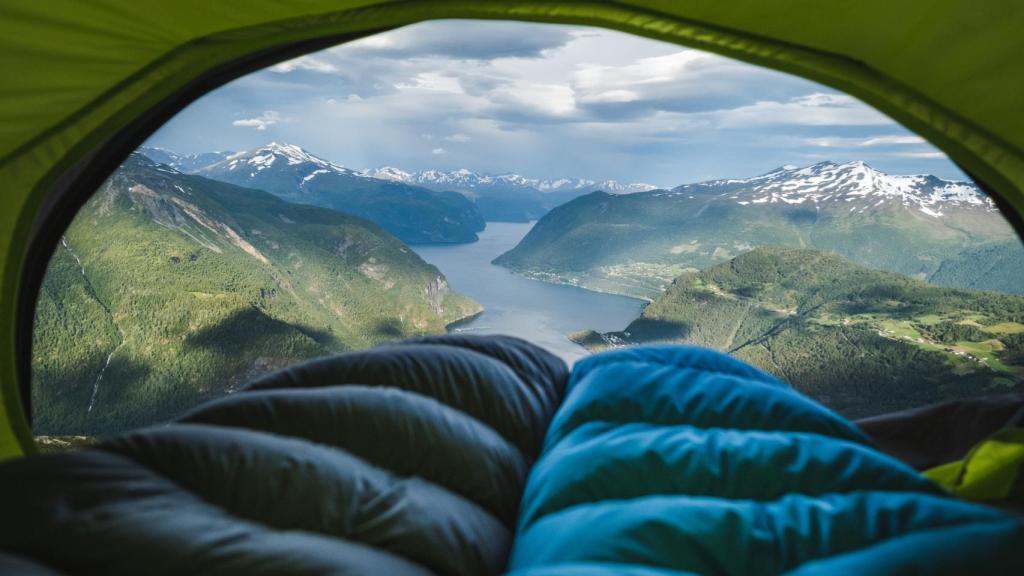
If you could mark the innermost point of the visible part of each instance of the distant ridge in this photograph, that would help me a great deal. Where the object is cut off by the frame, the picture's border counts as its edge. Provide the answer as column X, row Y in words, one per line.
column 635, row 244
column 849, row 182
column 412, row 213
column 464, row 179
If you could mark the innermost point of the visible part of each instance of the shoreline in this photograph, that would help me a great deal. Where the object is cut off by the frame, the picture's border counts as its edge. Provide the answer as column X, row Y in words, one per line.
column 452, row 326
column 549, row 278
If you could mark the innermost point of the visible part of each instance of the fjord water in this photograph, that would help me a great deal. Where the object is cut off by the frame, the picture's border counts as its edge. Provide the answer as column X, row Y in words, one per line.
column 537, row 311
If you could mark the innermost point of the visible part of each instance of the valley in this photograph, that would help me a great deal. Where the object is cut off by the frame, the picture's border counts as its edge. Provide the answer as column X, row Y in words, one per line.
column 508, row 197
column 541, row 312
column 867, row 291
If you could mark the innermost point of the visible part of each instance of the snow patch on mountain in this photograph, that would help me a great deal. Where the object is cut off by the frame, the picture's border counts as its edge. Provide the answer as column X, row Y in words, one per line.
column 464, row 179
column 265, row 156
column 186, row 163
column 848, row 182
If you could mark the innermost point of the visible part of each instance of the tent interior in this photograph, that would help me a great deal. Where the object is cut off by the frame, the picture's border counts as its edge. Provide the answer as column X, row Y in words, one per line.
column 814, row 368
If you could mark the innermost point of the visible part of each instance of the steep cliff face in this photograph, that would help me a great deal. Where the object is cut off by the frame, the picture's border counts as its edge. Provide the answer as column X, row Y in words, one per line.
column 437, row 292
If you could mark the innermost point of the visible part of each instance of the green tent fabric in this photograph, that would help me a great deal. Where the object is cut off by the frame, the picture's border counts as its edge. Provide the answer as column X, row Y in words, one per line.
column 993, row 470
column 86, row 82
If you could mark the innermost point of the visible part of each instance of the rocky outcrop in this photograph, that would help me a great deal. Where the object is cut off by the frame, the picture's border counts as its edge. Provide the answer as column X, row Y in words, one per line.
column 436, row 290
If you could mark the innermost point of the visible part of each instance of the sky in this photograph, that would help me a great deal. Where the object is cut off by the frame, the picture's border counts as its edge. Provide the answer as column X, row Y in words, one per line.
column 545, row 101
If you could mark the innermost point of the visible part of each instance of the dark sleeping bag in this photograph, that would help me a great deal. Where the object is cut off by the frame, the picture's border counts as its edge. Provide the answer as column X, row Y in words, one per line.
column 405, row 459
column 412, row 459
column 673, row 460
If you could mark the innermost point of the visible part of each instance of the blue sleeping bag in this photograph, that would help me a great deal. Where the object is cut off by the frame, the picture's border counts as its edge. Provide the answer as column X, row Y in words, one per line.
column 426, row 457
column 673, row 460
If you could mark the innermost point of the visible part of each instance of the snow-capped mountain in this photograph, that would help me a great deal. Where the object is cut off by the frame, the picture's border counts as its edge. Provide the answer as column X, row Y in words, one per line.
column 467, row 180
column 289, row 156
column 414, row 214
column 920, row 226
column 187, row 163
column 506, row 197
column 612, row 186
column 278, row 167
column 855, row 183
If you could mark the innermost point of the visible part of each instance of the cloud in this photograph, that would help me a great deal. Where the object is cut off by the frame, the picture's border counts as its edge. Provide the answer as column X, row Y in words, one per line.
column 892, row 140
column 432, row 82
column 633, row 81
column 261, row 122
column 548, row 101
column 309, row 63
column 865, row 142
column 462, row 40
column 479, row 82
column 922, row 154
column 815, row 109
column 681, row 81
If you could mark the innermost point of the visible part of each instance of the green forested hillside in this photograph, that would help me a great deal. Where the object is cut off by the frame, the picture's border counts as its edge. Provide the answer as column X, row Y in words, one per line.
column 171, row 288
column 863, row 342
column 998, row 266
column 635, row 244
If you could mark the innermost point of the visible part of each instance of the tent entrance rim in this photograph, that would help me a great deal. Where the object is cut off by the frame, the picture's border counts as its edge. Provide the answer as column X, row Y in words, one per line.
column 167, row 85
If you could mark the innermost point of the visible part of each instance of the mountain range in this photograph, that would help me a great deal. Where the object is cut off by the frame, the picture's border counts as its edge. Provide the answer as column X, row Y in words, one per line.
column 636, row 244
column 863, row 342
column 508, row 197
column 414, row 214
column 464, row 179
column 217, row 284
column 283, row 169
column 187, row 163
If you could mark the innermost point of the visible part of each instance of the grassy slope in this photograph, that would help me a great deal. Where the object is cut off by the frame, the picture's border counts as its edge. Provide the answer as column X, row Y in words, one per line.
column 862, row 341
column 191, row 287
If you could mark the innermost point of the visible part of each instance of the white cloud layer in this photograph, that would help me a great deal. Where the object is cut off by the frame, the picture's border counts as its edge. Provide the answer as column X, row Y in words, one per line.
column 868, row 141
column 816, row 109
column 261, row 122
column 548, row 101
column 309, row 63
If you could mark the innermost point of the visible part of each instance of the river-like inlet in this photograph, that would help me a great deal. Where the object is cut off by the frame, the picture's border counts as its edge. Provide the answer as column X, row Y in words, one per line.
column 537, row 311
